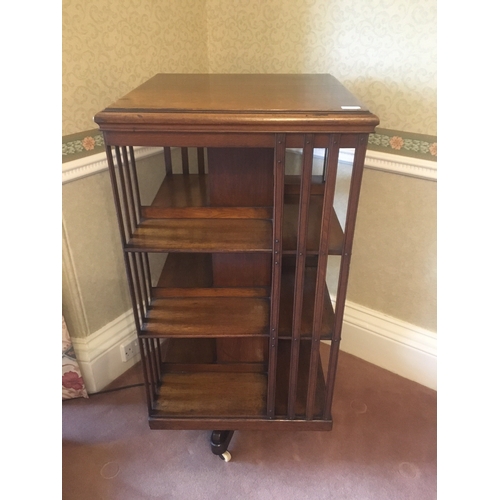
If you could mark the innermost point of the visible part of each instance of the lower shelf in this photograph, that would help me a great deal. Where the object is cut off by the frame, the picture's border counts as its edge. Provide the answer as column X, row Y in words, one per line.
column 195, row 383
column 213, row 394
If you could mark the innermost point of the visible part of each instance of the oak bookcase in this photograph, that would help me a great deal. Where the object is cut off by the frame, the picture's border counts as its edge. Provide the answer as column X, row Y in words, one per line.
column 230, row 330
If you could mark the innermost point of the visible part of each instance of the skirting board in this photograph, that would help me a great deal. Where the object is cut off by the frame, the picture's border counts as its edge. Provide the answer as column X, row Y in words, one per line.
column 99, row 354
column 402, row 348
column 392, row 344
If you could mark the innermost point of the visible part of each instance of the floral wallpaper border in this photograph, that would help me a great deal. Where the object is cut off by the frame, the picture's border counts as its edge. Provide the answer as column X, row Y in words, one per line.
column 404, row 144
column 82, row 144
column 421, row 146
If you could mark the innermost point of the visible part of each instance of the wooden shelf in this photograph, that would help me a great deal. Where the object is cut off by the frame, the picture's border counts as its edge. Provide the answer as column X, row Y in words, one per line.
column 179, row 219
column 188, row 276
column 210, row 389
column 211, row 395
column 207, row 317
column 182, row 191
column 191, row 190
column 202, row 235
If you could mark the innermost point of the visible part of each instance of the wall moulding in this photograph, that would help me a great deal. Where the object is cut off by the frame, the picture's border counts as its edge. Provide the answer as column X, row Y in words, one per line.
column 90, row 165
column 99, row 354
column 376, row 160
column 403, row 153
column 403, row 165
column 390, row 343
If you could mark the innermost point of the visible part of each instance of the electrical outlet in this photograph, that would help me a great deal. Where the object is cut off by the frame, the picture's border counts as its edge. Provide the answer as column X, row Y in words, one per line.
column 129, row 350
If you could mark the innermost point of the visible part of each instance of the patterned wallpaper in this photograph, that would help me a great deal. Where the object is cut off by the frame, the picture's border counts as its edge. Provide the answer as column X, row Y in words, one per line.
column 111, row 46
column 384, row 51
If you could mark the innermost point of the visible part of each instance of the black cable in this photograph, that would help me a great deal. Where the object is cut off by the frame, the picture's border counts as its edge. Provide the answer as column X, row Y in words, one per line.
column 117, row 389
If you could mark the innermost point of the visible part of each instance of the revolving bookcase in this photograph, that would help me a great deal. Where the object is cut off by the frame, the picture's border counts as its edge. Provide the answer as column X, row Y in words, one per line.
column 230, row 329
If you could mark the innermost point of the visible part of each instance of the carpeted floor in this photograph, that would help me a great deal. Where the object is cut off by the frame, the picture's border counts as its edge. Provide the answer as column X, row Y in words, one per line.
column 383, row 446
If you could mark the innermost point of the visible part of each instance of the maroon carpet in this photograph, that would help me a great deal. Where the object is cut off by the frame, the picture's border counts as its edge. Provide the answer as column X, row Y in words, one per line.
column 383, row 446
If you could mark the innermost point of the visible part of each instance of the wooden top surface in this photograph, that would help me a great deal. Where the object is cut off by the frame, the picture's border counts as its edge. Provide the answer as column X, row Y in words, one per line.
column 239, row 93
column 212, row 101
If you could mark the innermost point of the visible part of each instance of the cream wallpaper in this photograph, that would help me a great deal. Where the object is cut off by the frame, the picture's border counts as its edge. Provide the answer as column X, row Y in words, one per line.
column 97, row 292
column 394, row 260
column 384, row 51
column 112, row 46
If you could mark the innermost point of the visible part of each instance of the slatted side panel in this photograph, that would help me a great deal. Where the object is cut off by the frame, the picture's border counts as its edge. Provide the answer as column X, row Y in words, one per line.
column 355, row 188
column 123, row 174
column 300, row 357
column 332, row 153
column 125, row 188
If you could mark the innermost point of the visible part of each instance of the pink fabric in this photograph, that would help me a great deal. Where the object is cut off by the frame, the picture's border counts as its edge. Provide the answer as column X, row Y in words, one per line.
column 73, row 385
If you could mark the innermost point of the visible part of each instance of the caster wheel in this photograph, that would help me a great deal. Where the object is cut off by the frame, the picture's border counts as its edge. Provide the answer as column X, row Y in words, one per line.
column 226, row 456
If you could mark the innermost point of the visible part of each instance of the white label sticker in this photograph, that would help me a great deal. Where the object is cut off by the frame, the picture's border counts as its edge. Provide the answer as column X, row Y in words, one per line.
column 350, row 107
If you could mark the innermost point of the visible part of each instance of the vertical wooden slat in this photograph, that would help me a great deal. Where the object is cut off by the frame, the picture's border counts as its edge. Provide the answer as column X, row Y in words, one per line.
column 136, row 285
column 154, row 362
column 279, row 188
column 305, row 191
column 357, row 175
column 135, row 181
column 158, row 355
column 201, row 161
column 116, row 195
column 325, row 159
column 138, row 318
column 147, row 272
column 331, row 175
column 147, row 372
column 167, row 155
column 185, row 161
column 143, row 282
column 124, row 203
column 129, row 198
column 133, row 204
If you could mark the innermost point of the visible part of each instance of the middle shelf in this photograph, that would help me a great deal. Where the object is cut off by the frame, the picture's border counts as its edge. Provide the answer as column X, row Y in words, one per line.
column 208, row 317
column 185, row 303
